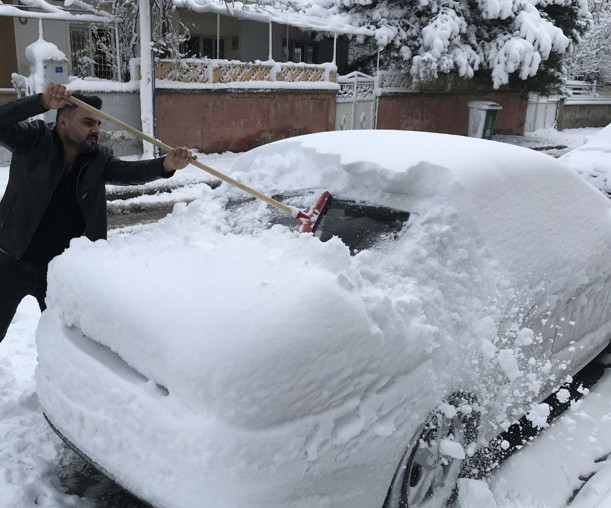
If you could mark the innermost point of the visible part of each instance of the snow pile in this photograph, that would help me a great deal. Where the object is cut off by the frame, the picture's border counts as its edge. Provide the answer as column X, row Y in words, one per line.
column 571, row 457
column 43, row 50
column 274, row 357
column 30, row 449
column 413, row 177
column 593, row 160
column 37, row 53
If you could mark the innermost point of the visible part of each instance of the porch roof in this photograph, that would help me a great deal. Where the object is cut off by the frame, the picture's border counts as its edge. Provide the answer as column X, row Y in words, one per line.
column 40, row 9
column 316, row 15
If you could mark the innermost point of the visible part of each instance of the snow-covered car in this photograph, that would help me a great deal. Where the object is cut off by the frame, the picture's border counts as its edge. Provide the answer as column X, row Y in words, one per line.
column 221, row 358
column 592, row 160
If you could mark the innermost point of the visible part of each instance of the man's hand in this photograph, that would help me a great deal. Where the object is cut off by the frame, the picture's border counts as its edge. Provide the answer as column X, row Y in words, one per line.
column 53, row 96
column 177, row 158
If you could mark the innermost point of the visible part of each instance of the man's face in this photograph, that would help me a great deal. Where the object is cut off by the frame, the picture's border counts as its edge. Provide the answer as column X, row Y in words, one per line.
column 80, row 129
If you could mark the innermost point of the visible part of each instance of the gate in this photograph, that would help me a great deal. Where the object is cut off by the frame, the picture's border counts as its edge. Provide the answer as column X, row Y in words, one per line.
column 356, row 102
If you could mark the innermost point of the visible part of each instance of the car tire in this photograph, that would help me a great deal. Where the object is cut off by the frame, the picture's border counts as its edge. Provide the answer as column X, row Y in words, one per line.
column 435, row 459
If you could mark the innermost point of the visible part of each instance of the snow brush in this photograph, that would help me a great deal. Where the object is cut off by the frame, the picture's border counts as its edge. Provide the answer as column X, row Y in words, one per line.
column 307, row 219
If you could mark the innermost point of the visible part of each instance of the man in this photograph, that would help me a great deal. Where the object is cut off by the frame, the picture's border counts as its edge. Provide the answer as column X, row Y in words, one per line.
column 56, row 189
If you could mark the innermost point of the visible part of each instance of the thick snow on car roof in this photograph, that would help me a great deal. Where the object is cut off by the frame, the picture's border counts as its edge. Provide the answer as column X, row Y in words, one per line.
column 263, row 331
column 500, row 187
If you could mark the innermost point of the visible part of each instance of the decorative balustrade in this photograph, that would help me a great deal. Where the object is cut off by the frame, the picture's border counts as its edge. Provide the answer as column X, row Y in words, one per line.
column 209, row 71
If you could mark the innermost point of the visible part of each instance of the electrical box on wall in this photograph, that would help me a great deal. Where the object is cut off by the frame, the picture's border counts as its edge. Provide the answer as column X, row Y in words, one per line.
column 55, row 71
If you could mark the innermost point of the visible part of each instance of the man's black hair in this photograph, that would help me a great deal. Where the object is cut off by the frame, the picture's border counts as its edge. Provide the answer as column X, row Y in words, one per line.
column 92, row 100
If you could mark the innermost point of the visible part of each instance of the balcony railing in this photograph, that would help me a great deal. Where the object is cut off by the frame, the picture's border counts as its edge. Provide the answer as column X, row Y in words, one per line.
column 224, row 72
column 579, row 89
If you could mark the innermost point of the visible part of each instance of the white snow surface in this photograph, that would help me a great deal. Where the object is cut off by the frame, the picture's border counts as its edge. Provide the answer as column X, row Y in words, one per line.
column 37, row 53
column 321, row 15
column 196, row 244
column 592, row 160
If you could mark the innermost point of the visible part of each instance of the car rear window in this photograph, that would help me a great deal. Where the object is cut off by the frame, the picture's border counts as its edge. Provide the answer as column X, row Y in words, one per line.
column 360, row 226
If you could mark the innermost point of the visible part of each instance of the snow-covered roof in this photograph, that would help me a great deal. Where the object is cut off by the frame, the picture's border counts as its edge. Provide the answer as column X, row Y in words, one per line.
column 321, row 16
column 73, row 10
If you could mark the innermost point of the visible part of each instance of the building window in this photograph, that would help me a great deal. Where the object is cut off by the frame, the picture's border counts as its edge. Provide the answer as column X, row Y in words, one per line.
column 92, row 52
column 200, row 46
column 298, row 52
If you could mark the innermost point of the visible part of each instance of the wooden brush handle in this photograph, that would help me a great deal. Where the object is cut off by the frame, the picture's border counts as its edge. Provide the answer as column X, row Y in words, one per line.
column 168, row 148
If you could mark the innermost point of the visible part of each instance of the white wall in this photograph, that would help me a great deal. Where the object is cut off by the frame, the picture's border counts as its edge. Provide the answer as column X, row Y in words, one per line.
column 541, row 112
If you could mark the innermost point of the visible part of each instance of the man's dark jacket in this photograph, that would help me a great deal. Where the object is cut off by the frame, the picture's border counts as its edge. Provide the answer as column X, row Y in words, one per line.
column 36, row 168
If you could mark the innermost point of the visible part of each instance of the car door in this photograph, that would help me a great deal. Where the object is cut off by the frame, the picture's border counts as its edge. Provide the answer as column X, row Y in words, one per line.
column 581, row 326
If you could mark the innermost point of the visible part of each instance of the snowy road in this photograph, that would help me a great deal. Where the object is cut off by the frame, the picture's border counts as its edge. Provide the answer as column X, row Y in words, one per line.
column 568, row 463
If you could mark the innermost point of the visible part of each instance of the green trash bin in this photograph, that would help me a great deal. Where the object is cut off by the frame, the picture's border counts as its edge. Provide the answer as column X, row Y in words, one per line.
column 482, row 116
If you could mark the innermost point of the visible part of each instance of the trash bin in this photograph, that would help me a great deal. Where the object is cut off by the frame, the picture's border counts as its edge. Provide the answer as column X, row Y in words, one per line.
column 482, row 115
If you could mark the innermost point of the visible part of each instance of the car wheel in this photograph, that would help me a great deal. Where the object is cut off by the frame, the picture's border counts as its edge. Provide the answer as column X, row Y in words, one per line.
column 428, row 472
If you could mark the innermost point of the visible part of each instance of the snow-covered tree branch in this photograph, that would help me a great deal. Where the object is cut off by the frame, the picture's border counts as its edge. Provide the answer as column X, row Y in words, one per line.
column 503, row 39
column 167, row 31
column 591, row 58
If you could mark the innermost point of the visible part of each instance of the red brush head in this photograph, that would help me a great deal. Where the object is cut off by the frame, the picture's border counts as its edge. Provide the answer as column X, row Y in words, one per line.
column 308, row 219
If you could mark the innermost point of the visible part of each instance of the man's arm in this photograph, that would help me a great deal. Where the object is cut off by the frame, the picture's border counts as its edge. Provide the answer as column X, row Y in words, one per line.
column 137, row 172
column 14, row 131
column 18, row 110
column 120, row 172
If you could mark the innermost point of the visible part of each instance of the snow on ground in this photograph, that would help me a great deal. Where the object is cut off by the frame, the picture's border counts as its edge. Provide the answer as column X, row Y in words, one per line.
column 542, row 475
column 551, row 141
column 556, row 463
column 592, row 160
column 29, row 448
